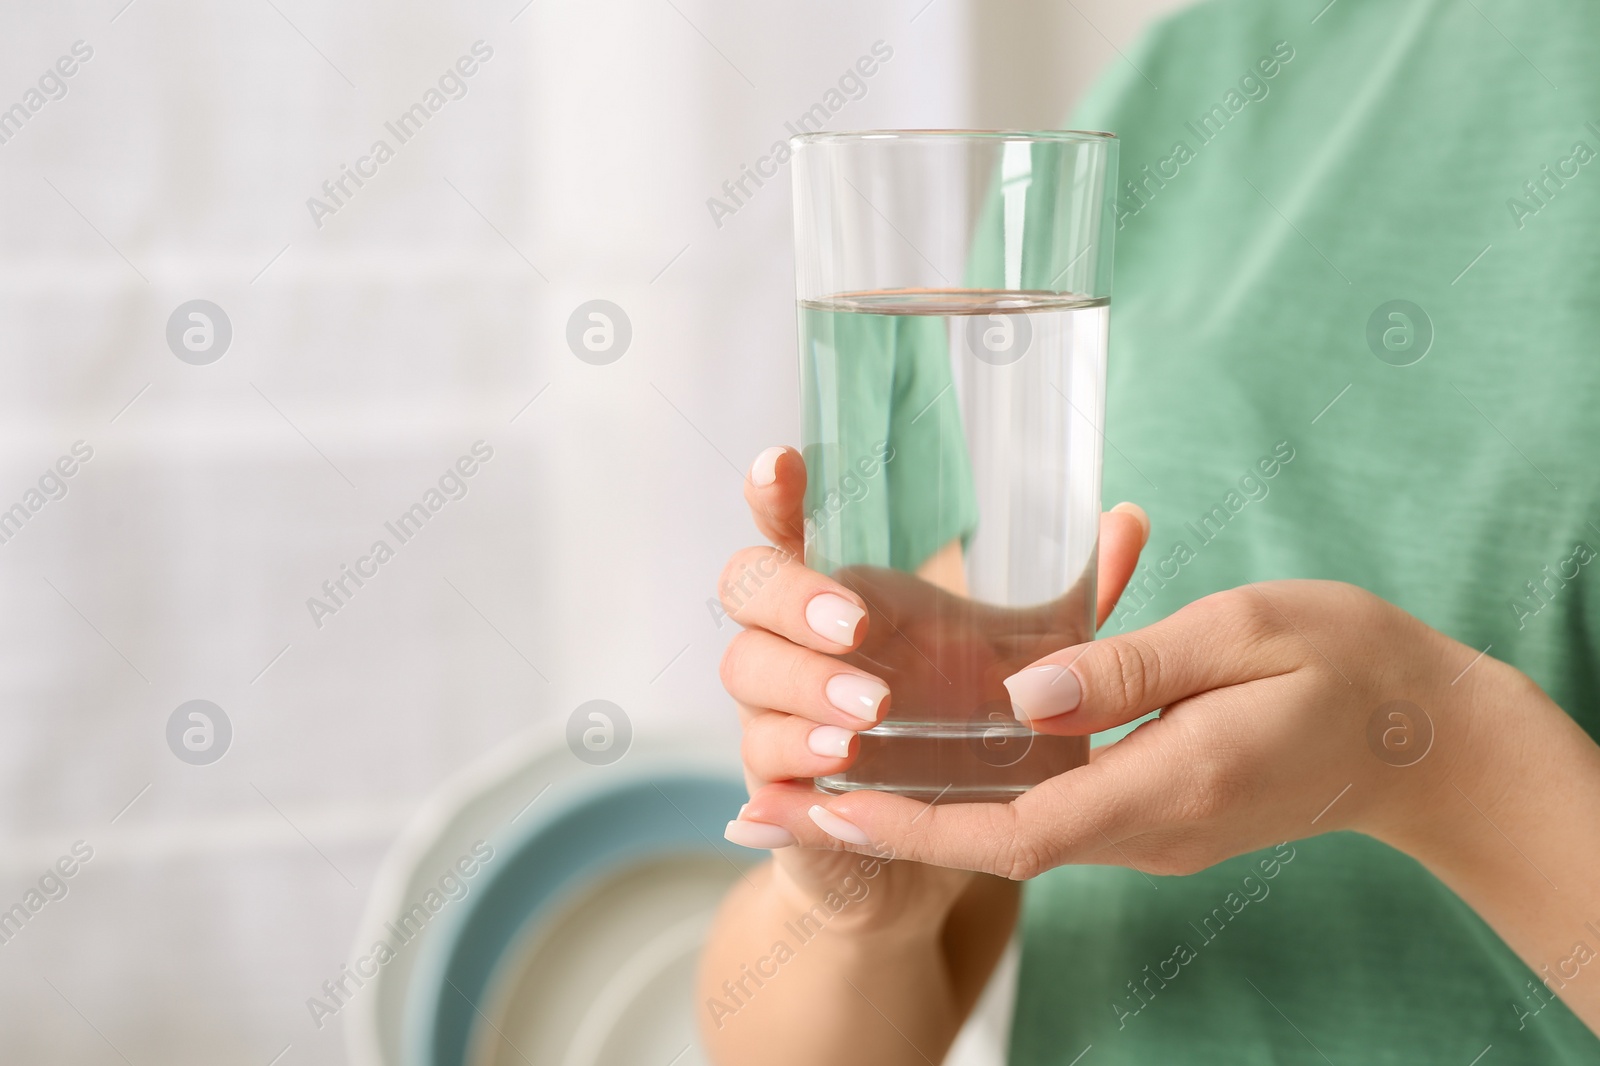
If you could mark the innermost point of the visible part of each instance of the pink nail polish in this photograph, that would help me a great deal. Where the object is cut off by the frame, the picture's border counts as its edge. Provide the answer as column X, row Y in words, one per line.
column 858, row 696
column 760, row 835
column 832, row 617
column 837, row 827
column 829, row 741
column 764, row 471
column 1043, row 692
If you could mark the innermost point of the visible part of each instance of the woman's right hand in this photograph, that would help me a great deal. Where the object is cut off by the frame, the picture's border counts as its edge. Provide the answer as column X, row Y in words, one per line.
column 801, row 704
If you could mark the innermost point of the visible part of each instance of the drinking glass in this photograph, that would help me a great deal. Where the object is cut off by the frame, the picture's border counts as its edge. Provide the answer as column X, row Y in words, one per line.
column 953, row 301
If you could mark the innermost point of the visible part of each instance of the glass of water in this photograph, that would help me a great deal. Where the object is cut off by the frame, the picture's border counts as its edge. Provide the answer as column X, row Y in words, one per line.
column 954, row 293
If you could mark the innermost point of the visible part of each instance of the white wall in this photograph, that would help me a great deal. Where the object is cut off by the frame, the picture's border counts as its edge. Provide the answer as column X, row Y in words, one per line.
column 368, row 354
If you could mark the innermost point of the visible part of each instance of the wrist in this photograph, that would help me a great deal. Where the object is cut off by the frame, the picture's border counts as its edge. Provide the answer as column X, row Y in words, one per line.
column 1486, row 724
column 860, row 901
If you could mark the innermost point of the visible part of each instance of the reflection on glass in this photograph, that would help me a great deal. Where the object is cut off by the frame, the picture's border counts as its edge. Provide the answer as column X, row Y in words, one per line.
column 953, row 482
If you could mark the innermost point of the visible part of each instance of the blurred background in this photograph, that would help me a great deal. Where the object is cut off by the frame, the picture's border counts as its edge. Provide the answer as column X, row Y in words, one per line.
column 360, row 340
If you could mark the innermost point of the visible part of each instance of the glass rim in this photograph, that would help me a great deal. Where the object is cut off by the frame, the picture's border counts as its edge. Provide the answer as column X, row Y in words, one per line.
column 1035, row 136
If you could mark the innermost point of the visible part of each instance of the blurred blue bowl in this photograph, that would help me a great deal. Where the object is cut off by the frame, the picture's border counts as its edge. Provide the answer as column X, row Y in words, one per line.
column 589, row 915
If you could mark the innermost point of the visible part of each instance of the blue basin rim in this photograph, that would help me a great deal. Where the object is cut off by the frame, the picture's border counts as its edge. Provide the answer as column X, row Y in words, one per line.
column 576, row 843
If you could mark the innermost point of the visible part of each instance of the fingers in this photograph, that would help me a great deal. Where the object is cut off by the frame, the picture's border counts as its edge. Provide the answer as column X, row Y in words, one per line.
column 1077, row 817
column 761, row 669
column 1212, row 643
column 775, row 489
column 1124, row 531
column 785, row 747
column 768, row 588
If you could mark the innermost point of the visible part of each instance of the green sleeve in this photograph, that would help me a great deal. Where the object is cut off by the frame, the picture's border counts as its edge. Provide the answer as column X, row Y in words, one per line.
column 929, row 477
column 888, row 478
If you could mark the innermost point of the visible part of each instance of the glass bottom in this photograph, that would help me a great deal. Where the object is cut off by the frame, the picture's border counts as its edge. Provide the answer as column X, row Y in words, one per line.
column 956, row 762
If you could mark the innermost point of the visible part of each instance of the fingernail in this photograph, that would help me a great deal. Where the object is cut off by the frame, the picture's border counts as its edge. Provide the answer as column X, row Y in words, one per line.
column 833, row 617
column 1138, row 513
column 742, row 808
column 1043, row 692
column 830, row 741
column 858, row 696
column 764, row 471
column 761, row 835
column 837, row 827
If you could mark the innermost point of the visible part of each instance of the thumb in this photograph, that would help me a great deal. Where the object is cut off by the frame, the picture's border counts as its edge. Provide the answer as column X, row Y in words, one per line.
column 1109, row 682
column 1124, row 531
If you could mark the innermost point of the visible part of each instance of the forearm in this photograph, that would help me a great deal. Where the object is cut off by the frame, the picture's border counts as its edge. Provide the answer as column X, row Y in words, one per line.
column 1514, row 830
column 776, row 989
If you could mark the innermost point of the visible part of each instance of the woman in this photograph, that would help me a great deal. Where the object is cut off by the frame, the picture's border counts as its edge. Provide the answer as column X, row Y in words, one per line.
column 1356, row 247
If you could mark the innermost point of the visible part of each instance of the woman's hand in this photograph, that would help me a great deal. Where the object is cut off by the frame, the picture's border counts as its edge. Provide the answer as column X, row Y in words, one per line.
column 803, row 696
column 857, row 940
column 1287, row 708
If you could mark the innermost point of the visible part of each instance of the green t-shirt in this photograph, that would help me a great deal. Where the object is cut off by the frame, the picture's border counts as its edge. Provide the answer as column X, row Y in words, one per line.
column 888, row 478
column 1306, row 167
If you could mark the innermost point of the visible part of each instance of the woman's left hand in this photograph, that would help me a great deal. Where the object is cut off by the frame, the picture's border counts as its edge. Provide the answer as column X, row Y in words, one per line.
column 1289, row 709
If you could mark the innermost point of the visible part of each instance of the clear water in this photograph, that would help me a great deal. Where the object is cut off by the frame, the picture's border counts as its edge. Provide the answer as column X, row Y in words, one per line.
column 953, row 455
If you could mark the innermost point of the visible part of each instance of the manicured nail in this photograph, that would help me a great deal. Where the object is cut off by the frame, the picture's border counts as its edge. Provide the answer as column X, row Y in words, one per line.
column 764, row 471
column 832, row 617
column 858, row 696
column 762, row 835
column 1043, row 692
column 830, row 741
column 837, row 827
column 1138, row 513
